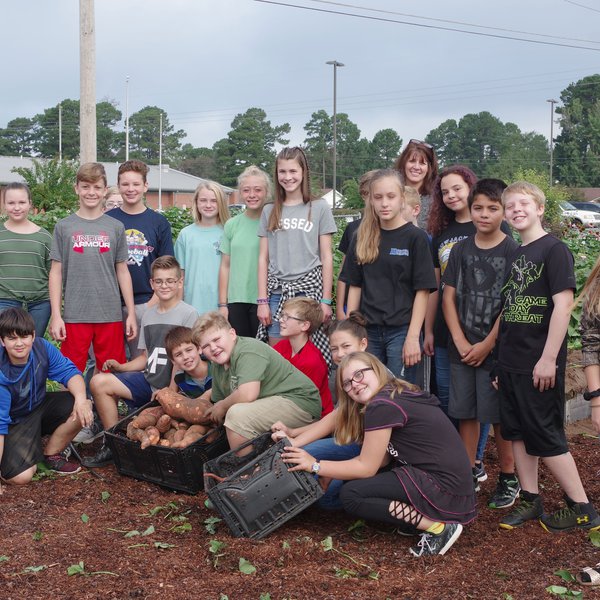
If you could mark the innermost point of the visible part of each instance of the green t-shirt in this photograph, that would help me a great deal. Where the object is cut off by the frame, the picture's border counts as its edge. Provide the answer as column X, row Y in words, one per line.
column 252, row 360
column 240, row 241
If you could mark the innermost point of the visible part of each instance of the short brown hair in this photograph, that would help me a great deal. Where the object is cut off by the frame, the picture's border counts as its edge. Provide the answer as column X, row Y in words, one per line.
column 307, row 309
column 16, row 321
column 137, row 166
column 176, row 337
column 208, row 321
column 91, row 172
column 166, row 262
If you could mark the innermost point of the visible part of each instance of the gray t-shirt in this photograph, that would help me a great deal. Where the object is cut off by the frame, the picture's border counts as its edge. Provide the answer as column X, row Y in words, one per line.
column 294, row 247
column 154, row 327
column 88, row 250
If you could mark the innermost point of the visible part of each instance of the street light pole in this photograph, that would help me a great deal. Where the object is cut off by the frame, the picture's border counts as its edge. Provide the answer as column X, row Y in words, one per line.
column 552, row 103
column 335, row 65
column 127, row 118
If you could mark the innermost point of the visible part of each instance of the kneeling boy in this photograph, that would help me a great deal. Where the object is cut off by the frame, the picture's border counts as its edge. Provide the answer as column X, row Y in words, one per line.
column 253, row 386
column 27, row 412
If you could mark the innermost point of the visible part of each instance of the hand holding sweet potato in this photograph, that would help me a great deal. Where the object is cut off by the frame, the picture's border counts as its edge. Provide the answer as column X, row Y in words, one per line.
column 177, row 406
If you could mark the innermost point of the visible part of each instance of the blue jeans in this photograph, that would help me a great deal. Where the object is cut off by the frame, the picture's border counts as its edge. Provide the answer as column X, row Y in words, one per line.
column 484, row 430
column 39, row 311
column 386, row 343
column 327, row 449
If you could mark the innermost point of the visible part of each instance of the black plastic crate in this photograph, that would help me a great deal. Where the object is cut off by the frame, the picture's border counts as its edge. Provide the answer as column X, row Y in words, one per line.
column 175, row 468
column 256, row 493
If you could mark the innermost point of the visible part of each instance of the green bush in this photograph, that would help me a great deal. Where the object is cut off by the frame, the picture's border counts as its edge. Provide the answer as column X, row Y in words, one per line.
column 178, row 218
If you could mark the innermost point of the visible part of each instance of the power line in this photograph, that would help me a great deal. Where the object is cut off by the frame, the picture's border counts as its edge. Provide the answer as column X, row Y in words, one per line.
column 582, row 5
column 425, row 26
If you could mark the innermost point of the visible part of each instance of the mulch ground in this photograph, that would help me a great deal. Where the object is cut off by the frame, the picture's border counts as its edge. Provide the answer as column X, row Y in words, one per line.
column 84, row 524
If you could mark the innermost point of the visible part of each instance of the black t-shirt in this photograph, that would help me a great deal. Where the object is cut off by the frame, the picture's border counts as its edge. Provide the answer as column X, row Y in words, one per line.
column 538, row 271
column 477, row 274
column 389, row 284
column 348, row 235
column 442, row 245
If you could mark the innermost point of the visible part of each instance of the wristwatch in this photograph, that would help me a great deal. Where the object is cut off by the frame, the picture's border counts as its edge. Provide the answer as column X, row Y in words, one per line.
column 316, row 467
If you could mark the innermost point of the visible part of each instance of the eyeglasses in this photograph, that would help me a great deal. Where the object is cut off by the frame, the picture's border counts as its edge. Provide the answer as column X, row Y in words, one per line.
column 283, row 317
column 421, row 143
column 160, row 282
column 356, row 378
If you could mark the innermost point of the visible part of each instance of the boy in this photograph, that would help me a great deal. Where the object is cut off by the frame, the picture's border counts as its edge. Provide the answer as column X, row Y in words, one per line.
column 27, row 412
column 126, row 380
column 300, row 317
column 253, row 385
column 473, row 280
column 537, row 300
column 412, row 205
column 192, row 375
column 89, row 254
column 148, row 237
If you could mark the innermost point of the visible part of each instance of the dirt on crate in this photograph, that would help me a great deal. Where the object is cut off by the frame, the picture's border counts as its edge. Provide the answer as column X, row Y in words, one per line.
column 121, row 538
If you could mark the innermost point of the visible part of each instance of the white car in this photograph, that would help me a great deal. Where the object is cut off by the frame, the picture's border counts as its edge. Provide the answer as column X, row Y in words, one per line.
column 587, row 218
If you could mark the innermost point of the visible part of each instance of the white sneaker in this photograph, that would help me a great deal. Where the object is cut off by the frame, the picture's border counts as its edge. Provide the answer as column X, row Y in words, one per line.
column 88, row 434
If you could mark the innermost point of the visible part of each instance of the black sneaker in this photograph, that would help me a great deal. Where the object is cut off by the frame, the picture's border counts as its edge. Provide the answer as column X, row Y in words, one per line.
column 507, row 491
column 102, row 458
column 431, row 544
column 60, row 463
column 476, row 486
column 526, row 510
column 575, row 515
column 479, row 471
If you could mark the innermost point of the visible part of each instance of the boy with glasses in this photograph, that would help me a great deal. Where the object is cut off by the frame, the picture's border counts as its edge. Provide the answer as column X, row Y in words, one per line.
column 136, row 380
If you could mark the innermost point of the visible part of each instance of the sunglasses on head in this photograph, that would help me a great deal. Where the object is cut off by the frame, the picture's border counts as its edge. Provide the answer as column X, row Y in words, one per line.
column 421, row 143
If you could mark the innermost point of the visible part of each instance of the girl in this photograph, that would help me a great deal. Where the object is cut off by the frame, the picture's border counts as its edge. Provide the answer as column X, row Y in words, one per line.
column 426, row 484
column 390, row 274
column 113, row 198
column 418, row 166
column 345, row 337
column 295, row 256
column 24, row 258
column 197, row 247
column 590, row 340
column 238, row 289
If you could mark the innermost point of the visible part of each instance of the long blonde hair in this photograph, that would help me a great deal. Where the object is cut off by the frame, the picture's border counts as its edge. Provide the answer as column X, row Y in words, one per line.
column 219, row 192
column 368, row 234
column 590, row 294
column 349, row 425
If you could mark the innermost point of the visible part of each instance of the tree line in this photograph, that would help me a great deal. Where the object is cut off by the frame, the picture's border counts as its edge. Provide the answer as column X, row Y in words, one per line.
column 483, row 142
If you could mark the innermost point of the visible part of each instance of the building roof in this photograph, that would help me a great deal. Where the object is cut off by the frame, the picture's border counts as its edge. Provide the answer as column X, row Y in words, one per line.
column 172, row 179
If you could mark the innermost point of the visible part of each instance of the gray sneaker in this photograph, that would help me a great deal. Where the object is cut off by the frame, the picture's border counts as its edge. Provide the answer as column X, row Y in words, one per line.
column 507, row 491
column 431, row 544
column 88, row 434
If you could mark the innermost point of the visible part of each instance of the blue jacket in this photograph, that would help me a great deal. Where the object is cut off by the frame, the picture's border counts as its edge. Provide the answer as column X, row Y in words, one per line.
column 20, row 396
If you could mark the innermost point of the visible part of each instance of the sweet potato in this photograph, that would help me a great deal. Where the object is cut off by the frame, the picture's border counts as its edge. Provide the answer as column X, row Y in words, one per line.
column 146, row 418
column 165, row 443
column 211, row 436
column 182, row 425
column 152, row 437
column 187, row 440
column 201, row 429
column 135, row 434
column 163, row 424
column 190, row 409
column 170, row 435
column 179, row 435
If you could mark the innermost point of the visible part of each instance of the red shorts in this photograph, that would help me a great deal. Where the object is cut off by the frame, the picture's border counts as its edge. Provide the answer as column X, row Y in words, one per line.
column 106, row 338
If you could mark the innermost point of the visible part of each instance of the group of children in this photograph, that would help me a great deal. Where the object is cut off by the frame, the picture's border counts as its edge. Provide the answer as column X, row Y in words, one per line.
column 458, row 289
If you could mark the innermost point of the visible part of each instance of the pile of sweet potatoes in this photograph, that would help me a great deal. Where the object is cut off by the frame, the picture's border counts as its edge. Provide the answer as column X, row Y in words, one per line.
column 176, row 423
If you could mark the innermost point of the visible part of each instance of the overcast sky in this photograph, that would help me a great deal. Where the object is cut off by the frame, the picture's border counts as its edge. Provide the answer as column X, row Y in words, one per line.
column 204, row 61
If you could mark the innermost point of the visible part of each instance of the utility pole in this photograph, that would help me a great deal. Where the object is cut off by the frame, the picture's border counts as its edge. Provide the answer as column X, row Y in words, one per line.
column 552, row 103
column 127, row 118
column 87, row 82
column 160, row 151
column 335, row 65
column 60, row 131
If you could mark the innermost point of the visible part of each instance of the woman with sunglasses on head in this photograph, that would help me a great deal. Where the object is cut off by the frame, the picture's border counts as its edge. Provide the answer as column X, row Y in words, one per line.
column 412, row 471
column 418, row 166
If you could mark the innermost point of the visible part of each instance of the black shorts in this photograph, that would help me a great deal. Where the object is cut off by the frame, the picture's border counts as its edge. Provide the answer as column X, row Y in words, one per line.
column 533, row 417
column 23, row 442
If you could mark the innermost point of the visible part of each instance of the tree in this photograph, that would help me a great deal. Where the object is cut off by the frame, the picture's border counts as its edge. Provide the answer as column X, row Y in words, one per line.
column 353, row 199
column 251, row 140
column 51, row 184
column 319, row 145
column 577, row 149
column 198, row 161
column 144, row 136
column 17, row 138
column 385, row 148
column 47, row 131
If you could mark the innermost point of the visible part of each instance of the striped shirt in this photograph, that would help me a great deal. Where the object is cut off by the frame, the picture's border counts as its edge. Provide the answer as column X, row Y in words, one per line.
column 24, row 265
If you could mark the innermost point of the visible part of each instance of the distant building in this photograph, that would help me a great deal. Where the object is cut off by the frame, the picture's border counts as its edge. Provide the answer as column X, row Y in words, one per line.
column 176, row 187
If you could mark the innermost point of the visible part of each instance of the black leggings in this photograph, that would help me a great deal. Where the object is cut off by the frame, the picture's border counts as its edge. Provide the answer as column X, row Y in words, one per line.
column 370, row 498
column 242, row 316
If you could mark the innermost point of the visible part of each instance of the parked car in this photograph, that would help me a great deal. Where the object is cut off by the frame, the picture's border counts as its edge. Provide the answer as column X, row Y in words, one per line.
column 577, row 216
column 587, row 206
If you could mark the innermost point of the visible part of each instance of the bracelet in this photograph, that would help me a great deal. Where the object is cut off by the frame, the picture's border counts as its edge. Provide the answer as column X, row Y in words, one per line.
column 262, row 301
column 326, row 301
column 222, row 304
column 589, row 395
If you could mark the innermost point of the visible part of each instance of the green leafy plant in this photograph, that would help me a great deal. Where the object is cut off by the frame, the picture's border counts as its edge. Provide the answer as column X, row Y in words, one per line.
column 37, row 536
column 104, row 496
column 595, row 538
column 79, row 569
column 216, row 547
column 327, row 545
column 246, row 567
column 562, row 591
column 178, row 219
column 183, row 528
column 4, row 558
column 85, row 518
column 210, row 524
column 163, row 545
